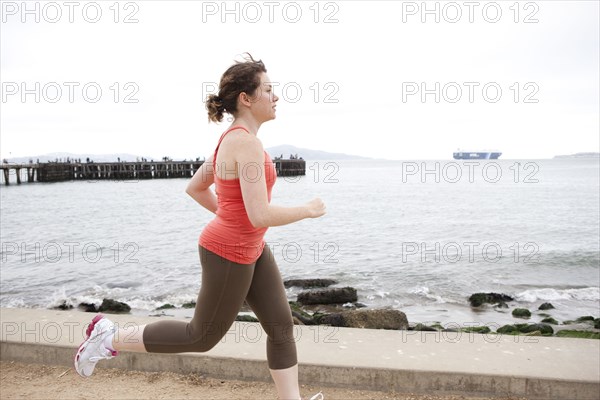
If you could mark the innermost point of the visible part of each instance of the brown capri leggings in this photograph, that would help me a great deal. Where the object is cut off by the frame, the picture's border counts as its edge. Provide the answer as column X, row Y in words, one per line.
column 225, row 285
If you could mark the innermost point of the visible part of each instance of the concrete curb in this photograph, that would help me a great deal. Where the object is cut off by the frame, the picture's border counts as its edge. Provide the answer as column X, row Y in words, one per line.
column 548, row 368
column 351, row 377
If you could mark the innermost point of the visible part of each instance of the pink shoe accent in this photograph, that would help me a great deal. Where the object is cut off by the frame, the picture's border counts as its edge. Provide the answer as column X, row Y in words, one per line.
column 88, row 332
column 91, row 326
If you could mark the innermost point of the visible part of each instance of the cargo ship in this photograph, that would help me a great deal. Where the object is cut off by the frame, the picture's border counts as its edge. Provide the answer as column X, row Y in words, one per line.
column 476, row 155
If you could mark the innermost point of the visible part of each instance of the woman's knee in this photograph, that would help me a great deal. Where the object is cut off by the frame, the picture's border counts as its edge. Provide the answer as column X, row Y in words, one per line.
column 280, row 332
column 206, row 336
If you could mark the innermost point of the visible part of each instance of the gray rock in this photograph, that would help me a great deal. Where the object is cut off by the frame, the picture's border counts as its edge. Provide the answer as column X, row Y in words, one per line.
column 113, row 306
column 63, row 306
column 550, row 320
column 336, row 319
column 508, row 329
column 87, row 307
column 424, row 328
column 329, row 296
column 369, row 319
column 309, row 283
column 189, row 304
column 521, row 313
column 165, row 306
column 246, row 318
column 303, row 317
column 543, row 329
column 479, row 299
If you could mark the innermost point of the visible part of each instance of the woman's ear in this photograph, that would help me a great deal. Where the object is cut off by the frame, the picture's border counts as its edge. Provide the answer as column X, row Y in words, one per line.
column 244, row 99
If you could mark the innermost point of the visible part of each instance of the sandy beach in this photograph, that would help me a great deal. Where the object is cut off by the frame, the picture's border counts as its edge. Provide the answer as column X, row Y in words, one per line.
column 37, row 381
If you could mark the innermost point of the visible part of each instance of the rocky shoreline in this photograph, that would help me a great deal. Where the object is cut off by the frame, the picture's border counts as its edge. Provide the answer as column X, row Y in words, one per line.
column 321, row 305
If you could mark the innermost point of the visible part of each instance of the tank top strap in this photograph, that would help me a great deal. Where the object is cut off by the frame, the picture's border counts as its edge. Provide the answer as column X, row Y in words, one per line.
column 223, row 135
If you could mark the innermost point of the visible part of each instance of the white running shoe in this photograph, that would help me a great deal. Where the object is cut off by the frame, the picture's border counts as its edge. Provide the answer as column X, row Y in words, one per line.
column 318, row 396
column 92, row 349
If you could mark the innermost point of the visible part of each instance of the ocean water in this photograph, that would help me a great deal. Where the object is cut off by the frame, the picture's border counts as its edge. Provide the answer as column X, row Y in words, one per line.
column 419, row 236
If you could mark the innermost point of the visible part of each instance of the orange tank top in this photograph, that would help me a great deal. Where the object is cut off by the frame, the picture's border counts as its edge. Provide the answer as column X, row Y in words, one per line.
column 230, row 234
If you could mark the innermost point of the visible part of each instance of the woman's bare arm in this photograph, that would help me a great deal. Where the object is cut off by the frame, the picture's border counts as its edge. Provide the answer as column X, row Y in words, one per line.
column 199, row 186
column 251, row 172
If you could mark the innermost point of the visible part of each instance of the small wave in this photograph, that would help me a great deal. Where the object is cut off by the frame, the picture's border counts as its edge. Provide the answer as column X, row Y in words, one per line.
column 379, row 294
column 548, row 294
column 14, row 303
column 59, row 297
column 140, row 303
column 425, row 292
column 94, row 296
column 144, row 304
column 151, row 303
column 73, row 301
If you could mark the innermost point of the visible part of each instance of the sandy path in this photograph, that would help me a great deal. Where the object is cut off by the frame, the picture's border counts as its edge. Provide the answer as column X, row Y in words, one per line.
column 36, row 381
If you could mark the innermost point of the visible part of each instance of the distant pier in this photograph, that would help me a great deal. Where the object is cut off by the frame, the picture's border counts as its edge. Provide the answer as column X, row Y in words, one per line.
column 123, row 170
column 290, row 167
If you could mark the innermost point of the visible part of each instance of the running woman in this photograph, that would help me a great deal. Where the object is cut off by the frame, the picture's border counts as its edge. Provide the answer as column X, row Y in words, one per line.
column 236, row 263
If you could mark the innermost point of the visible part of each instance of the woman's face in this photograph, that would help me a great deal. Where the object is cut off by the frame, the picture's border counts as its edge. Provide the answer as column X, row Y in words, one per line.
column 264, row 100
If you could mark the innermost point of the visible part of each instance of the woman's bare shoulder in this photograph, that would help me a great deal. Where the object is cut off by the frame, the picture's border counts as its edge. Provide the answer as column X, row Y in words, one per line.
column 239, row 139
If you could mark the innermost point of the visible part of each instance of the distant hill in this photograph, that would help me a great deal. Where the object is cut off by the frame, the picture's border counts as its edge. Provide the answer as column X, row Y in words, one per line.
column 579, row 155
column 308, row 154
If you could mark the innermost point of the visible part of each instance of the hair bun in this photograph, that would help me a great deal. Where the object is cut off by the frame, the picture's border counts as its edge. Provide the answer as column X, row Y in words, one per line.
column 215, row 108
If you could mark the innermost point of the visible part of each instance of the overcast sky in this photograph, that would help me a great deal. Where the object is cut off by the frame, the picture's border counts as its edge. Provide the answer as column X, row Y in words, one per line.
column 519, row 77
